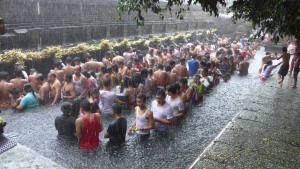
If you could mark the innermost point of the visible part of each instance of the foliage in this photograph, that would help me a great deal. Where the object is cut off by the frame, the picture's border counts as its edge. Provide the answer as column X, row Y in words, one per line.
column 159, row 7
column 278, row 17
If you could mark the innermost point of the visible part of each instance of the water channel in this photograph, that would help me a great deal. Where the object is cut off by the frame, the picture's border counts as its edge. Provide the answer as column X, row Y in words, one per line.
column 177, row 149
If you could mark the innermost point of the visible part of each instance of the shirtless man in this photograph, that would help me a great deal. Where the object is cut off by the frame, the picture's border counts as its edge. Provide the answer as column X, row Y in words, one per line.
column 149, row 56
column 284, row 69
column 107, row 59
column 181, row 69
column 55, row 88
column 90, row 64
column 128, row 55
column 68, row 88
column 160, row 59
column 265, row 59
column 296, row 69
column 171, row 76
column 44, row 90
column 77, row 61
column 80, row 82
column 18, row 81
column 5, row 87
column 161, row 77
column 121, row 70
column 243, row 66
column 166, row 56
column 32, row 80
column 117, row 59
column 59, row 73
column 128, row 69
column 68, row 68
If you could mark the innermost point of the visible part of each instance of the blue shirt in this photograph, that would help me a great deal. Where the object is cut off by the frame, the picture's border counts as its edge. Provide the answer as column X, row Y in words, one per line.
column 29, row 101
column 193, row 66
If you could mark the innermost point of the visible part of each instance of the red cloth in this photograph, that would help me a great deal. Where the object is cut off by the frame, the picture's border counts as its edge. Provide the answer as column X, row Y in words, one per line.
column 90, row 133
column 244, row 54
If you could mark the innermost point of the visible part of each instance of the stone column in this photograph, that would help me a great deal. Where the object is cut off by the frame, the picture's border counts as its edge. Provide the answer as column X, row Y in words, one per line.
column 107, row 31
column 125, row 30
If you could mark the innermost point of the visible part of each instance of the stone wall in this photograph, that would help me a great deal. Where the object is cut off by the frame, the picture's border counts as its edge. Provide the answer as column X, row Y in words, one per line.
column 40, row 23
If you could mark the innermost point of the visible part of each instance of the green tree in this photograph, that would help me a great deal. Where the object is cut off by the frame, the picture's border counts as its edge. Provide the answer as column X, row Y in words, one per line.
column 278, row 17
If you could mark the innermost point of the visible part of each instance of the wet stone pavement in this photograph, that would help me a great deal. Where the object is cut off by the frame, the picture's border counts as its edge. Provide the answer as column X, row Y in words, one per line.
column 264, row 134
column 177, row 149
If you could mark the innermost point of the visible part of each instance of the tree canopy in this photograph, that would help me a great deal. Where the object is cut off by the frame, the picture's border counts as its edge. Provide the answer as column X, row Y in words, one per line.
column 278, row 17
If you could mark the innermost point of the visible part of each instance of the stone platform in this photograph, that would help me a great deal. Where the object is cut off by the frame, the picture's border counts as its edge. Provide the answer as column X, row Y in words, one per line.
column 264, row 134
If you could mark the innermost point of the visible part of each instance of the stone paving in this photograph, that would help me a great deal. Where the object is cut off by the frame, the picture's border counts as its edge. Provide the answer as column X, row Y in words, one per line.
column 264, row 134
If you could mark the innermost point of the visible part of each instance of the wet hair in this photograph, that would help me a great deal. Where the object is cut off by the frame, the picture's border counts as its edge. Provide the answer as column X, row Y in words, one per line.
column 92, row 73
column 161, row 93
column 197, row 76
column 121, row 63
column 183, row 80
column 108, row 69
column 117, row 53
column 268, row 53
column 142, row 97
column 171, row 88
column 177, row 86
column 76, row 59
column 86, row 74
column 124, row 83
column 68, row 60
column 87, row 55
column 69, row 76
column 57, row 63
column 18, row 73
column 114, row 68
column 160, row 66
column 108, row 53
column 140, row 57
column 144, row 72
column 66, row 108
column 76, row 106
column 182, row 60
column 158, row 52
column 241, row 58
column 86, row 105
column 28, row 88
column 116, row 108
column 14, row 91
column 103, row 69
column 208, row 64
column 268, row 63
column 168, row 68
column 32, row 70
column 106, row 82
column 205, row 70
column 52, row 75
column 93, row 91
column 229, row 52
column 284, row 49
column 136, row 79
column 194, row 56
column 172, row 63
column 3, row 75
column 39, row 77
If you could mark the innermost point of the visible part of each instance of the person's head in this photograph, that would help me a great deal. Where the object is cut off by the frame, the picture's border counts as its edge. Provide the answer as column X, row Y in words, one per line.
column 15, row 92
column 160, row 66
column 77, row 70
column 76, row 61
column 144, row 73
column 241, row 58
column 168, row 68
column 106, row 83
column 158, row 53
column 177, row 87
column 68, row 77
column 172, row 63
column 114, row 68
column 171, row 89
column 68, row 60
column 57, row 65
column 85, row 106
column 165, row 51
column 32, row 71
column 182, row 61
column 39, row 79
column 120, row 64
column 94, row 94
column 129, row 65
column 86, row 74
column 151, row 51
column 160, row 97
column 196, row 78
column 194, row 56
column 18, row 73
column 284, row 49
column 141, row 100
column 51, row 77
column 225, row 60
column 87, row 57
column 116, row 109
column 108, row 55
column 150, row 71
column 268, row 53
column 202, row 64
column 28, row 89
column 66, row 108
column 183, row 82
column 92, row 73
column 136, row 79
column 204, row 72
column 103, row 69
column 3, row 75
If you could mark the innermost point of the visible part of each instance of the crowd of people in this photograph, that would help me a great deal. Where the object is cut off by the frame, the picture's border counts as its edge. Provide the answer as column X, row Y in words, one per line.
column 178, row 76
